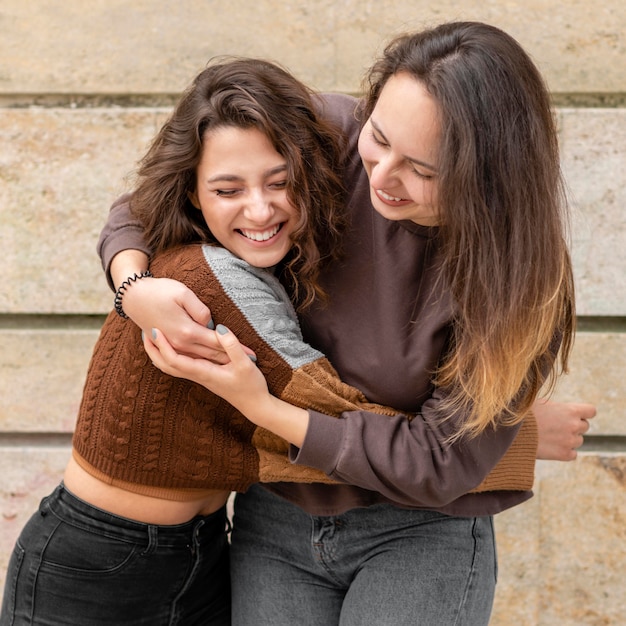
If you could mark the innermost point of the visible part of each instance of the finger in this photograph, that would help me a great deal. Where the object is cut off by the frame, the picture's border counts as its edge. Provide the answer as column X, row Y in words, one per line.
column 235, row 351
column 589, row 411
column 196, row 309
column 229, row 342
column 164, row 356
column 157, row 353
column 583, row 410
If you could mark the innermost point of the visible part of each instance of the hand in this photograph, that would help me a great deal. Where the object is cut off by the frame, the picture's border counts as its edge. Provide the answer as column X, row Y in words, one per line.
column 238, row 381
column 169, row 305
column 561, row 427
column 177, row 311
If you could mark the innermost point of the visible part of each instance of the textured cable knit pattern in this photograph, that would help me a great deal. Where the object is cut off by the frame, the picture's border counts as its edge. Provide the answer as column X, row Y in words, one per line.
column 151, row 433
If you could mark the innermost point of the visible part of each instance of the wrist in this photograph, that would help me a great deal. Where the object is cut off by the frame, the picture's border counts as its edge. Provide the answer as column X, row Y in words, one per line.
column 122, row 289
column 283, row 419
column 126, row 263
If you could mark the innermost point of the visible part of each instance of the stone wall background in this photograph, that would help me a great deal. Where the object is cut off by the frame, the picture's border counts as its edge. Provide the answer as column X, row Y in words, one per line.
column 84, row 86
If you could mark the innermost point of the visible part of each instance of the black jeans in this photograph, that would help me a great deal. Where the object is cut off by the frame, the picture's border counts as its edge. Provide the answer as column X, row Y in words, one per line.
column 74, row 564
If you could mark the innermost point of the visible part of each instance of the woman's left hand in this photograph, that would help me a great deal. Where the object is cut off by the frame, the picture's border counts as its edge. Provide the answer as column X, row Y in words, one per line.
column 239, row 382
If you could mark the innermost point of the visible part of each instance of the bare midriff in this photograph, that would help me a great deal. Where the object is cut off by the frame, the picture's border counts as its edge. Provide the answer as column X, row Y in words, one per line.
column 139, row 507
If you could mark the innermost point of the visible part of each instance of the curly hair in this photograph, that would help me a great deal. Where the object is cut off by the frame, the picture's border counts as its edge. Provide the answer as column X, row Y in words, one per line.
column 248, row 93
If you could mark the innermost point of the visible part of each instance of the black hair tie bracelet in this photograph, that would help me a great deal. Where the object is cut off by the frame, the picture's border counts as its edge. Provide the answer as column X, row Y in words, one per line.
column 119, row 294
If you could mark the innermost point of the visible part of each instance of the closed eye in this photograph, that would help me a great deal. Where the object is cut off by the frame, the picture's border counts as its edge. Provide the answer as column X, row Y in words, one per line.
column 378, row 140
column 281, row 184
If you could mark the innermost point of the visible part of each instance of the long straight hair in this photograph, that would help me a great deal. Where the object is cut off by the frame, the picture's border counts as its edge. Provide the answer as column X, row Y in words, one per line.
column 248, row 93
column 503, row 217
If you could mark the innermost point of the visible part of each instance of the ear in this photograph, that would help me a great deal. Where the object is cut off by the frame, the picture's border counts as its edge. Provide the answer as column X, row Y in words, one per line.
column 193, row 198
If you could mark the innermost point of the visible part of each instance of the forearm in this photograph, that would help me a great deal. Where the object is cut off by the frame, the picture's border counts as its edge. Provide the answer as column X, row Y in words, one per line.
column 279, row 417
column 127, row 263
column 121, row 232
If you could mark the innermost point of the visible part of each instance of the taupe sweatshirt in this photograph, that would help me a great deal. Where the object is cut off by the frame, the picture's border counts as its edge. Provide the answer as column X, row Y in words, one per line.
column 384, row 330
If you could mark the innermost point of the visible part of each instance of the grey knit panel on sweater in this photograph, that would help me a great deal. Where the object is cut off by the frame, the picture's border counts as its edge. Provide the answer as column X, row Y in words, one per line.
column 265, row 304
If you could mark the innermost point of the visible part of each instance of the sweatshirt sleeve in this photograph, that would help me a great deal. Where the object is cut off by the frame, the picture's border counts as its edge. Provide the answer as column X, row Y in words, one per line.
column 409, row 461
column 121, row 232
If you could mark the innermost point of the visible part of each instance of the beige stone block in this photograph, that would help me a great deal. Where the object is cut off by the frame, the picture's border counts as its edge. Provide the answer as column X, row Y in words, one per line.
column 583, row 540
column 28, row 474
column 597, row 368
column 594, row 164
column 579, row 47
column 517, row 542
column 563, row 554
column 59, row 173
column 42, row 373
column 152, row 46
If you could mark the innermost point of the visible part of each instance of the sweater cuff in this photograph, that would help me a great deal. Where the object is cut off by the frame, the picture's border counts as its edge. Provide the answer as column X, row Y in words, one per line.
column 322, row 443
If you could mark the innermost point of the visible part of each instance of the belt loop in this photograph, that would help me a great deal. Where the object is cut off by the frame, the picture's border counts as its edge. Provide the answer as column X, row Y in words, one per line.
column 153, row 540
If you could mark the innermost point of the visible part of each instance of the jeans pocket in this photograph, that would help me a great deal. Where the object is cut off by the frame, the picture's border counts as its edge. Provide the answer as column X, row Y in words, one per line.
column 87, row 552
column 10, row 586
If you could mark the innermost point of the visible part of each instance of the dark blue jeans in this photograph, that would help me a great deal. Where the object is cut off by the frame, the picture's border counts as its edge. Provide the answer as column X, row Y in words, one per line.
column 379, row 565
column 77, row 565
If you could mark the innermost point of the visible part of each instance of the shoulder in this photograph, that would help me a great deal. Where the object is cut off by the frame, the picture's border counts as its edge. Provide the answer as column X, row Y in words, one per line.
column 177, row 262
column 340, row 109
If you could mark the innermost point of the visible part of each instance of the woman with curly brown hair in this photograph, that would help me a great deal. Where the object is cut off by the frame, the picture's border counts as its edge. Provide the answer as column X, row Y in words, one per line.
column 238, row 187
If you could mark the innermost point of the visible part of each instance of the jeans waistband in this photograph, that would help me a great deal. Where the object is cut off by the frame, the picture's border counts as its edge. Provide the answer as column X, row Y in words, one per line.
column 77, row 512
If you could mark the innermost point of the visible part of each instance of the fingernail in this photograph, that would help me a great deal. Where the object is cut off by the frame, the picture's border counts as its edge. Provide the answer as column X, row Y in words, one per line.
column 211, row 325
column 142, row 336
column 252, row 358
column 222, row 330
column 154, row 333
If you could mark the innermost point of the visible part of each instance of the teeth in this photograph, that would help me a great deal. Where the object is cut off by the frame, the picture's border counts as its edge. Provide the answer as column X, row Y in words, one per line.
column 386, row 196
column 255, row 235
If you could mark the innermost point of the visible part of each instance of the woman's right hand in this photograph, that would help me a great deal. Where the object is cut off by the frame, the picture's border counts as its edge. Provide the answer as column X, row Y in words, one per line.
column 166, row 304
column 561, row 427
column 177, row 311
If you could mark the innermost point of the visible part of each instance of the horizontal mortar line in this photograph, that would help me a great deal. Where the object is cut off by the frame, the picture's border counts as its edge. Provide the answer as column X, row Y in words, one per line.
column 166, row 99
column 34, row 440
column 51, row 321
column 601, row 323
column 87, row 100
column 604, row 443
column 48, row 321
column 593, row 443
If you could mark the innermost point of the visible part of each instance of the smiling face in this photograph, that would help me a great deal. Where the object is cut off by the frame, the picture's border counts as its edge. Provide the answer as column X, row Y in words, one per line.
column 399, row 149
column 241, row 189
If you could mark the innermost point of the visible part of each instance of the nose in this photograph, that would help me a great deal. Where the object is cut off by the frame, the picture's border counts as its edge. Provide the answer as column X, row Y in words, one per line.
column 384, row 171
column 259, row 208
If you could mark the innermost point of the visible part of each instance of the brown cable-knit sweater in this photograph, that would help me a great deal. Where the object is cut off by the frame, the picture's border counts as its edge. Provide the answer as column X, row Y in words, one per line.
column 168, row 437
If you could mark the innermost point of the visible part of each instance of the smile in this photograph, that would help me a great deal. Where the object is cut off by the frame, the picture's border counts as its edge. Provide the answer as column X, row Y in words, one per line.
column 386, row 196
column 260, row 235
